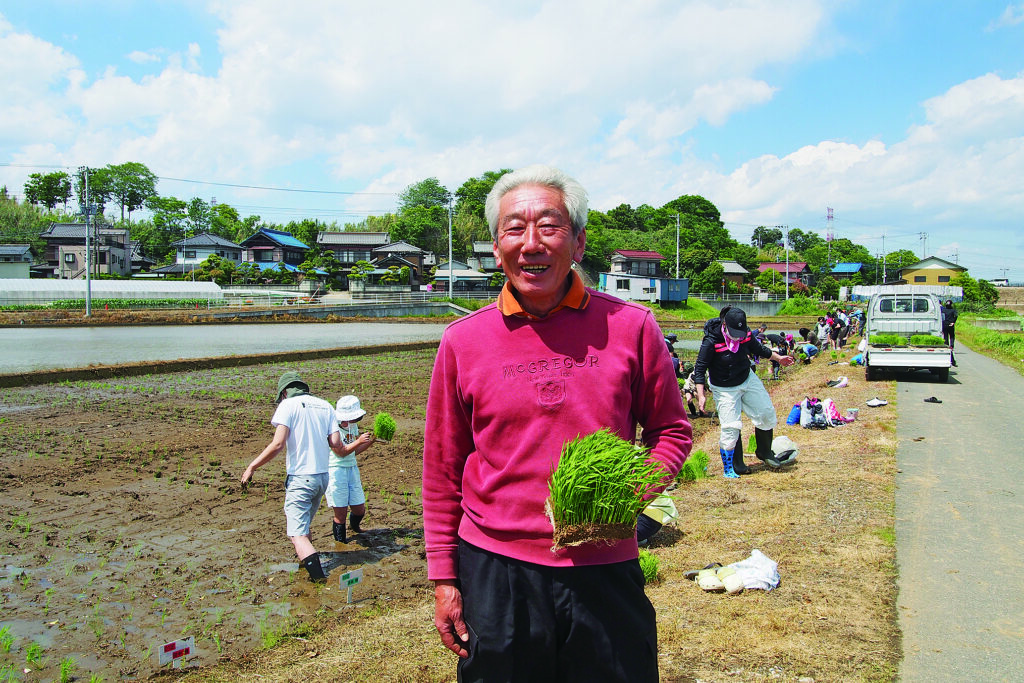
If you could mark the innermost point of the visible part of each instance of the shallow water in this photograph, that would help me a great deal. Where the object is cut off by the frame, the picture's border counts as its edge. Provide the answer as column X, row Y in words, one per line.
column 49, row 348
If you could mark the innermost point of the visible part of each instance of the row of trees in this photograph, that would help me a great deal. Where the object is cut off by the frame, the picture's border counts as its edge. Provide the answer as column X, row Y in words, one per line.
column 424, row 210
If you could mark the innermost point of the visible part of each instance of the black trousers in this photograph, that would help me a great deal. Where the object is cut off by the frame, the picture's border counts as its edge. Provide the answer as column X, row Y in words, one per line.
column 531, row 623
column 949, row 335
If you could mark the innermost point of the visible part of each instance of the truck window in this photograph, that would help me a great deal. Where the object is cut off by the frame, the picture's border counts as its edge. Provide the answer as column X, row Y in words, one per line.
column 904, row 304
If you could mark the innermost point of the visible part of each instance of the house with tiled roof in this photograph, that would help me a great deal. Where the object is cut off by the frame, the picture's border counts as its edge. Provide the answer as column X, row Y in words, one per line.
column 65, row 250
column 733, row 272
column 350, row 247
column 268, row 249
column 191, row 251
column 796, row 270
column 483, row 257
column 403, row 255
column 15, row 261
column 140, row 262
column 637, row 262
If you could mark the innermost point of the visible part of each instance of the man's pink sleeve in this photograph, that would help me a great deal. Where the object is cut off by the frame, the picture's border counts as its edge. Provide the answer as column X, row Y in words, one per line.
column 448, row 441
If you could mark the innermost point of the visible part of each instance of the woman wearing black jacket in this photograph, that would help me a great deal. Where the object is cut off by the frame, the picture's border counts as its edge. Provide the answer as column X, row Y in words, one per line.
column 723, row 364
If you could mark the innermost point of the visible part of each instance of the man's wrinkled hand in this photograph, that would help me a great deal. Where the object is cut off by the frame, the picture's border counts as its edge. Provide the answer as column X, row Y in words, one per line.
column 448, row 618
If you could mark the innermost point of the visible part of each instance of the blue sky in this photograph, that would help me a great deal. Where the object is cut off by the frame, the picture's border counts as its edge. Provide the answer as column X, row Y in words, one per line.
column 904, row 117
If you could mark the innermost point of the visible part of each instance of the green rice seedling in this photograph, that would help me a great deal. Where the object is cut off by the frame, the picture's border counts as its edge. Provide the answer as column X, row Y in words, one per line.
column 695, row 467
column 926, row 340
column 67, row 669
column 96, row 678
column 6, row 639
column 602, row 479
column 649, row 566
column 384, row 427
column 34, row 654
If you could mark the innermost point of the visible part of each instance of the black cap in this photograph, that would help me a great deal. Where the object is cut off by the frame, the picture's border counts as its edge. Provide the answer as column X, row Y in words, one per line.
column 736, row 323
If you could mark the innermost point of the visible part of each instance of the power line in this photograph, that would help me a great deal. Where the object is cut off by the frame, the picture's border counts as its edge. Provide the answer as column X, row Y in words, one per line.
column 277, row 189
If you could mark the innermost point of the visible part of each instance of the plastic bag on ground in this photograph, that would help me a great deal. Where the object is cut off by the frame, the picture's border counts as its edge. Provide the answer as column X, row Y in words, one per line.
column 758, row 571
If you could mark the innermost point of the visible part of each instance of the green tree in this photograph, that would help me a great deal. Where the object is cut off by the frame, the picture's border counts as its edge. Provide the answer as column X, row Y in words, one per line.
column 763, row 237
column 423, row 226
column 360, row 270
column 708, row 280
column 429, row 193
column 801, row 241
column 225, row 221
column 99, row 188
column 130, row 184
column 472, row 194
column 828, row 287
column 48, row 189
column 306, row 230
column 197, row 217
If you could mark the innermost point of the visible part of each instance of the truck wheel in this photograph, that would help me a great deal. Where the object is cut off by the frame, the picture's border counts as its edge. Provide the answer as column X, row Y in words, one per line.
column 942, row 374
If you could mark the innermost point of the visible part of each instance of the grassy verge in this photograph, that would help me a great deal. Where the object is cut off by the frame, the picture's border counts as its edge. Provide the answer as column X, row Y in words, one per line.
column 1005, row 347
column 828, row 522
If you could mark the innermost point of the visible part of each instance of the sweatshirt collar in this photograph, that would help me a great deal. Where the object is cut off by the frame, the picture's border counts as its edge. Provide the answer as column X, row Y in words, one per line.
column 577, row 297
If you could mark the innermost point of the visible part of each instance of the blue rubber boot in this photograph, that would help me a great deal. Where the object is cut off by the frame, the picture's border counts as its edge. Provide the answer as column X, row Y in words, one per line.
column 727, row 464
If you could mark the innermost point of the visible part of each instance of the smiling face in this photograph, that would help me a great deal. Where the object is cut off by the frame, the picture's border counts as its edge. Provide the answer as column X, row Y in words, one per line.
column 536, row 247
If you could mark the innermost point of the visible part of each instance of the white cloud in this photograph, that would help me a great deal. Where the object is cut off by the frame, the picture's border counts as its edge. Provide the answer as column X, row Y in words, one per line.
column 140, row 57
column 1011, row 16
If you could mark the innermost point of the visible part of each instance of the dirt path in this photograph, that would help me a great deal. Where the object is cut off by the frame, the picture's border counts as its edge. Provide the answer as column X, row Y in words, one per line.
column 959, row 524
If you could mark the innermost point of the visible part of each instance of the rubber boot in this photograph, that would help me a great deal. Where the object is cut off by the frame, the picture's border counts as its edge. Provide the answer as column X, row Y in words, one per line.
column 356, row 519
column 339, row 532
column 312, row 565
column 764, row 438
column 737, row 458
column 727, row 464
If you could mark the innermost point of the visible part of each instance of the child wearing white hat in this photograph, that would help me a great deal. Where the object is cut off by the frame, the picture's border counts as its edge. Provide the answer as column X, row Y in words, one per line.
column 344, row 488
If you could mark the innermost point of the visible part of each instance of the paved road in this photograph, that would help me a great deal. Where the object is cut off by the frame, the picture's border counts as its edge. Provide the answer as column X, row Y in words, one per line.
column 960, row 524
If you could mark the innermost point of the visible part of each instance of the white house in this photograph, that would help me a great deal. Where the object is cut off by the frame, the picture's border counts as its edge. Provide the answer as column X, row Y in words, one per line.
column 192, row 251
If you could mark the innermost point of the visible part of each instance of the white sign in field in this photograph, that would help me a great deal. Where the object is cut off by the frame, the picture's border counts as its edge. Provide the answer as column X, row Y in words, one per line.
column 350, row 579
column 177, row 651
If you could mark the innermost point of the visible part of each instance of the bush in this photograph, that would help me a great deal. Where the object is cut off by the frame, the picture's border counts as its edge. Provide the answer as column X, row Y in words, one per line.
column 801, row 305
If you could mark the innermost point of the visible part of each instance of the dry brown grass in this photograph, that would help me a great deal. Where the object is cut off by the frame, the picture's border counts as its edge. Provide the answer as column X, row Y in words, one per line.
column 827, row 521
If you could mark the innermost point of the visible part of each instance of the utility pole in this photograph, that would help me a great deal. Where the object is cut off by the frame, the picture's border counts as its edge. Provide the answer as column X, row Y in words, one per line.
column 883, row 258
column 451, row 274
column 88, row 246
column 785, row 241
column 924, row 244
column 677, row 245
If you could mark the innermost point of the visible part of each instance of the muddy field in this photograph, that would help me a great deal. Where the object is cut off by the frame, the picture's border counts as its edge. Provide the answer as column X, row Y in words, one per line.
column 124, row 527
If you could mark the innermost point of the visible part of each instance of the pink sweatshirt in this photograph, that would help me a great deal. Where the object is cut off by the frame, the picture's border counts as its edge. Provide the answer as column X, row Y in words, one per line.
column 507, row 393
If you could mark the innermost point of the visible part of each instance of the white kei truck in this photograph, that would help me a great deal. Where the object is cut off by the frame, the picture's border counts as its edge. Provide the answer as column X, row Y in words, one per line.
column 905, row 314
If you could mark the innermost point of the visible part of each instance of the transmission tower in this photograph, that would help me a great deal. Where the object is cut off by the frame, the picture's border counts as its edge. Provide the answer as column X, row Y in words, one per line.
column 828, row 234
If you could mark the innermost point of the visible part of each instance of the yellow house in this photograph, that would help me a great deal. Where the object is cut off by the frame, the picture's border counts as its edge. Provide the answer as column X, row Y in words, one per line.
column 930, row 271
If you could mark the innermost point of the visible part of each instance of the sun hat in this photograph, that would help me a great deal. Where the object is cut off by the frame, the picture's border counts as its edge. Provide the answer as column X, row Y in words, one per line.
column 789, row 337
column 736, row 323
column 288, row 379
column 348, row 409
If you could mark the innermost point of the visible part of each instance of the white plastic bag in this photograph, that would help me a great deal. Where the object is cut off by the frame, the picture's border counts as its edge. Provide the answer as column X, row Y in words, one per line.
column 863, row 346
column 758, row 571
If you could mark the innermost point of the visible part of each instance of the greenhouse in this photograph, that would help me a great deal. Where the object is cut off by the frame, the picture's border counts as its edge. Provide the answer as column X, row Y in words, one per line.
column 22, row 292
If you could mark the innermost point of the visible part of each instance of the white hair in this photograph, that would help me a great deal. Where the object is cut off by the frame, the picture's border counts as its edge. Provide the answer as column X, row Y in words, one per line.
column 573, row 195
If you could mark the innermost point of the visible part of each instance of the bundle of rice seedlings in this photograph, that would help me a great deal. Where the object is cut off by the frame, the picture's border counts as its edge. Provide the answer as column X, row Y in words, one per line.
column 649, row 566
column 599, row 488
column 384, row 427
column 695, row 467
column 926, row 340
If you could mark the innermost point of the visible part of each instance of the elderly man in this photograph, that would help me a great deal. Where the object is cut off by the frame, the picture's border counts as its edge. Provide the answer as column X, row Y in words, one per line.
column 306, row 428
column 512, row 383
